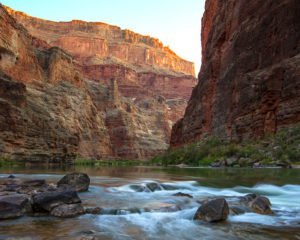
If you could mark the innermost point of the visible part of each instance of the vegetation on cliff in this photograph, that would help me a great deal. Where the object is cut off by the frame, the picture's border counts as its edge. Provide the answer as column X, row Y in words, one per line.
column 281, row 149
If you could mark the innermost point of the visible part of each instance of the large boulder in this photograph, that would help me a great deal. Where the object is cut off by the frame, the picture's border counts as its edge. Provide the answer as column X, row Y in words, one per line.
column 14, row 206
column 251, row 203
column 213, row 211
column 47, row 201
column 261, row 205
column 79, row 181
column 67, row 210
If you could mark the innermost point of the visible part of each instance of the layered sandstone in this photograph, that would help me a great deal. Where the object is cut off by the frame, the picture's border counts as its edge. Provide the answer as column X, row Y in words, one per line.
column 52, row 109
column 249, row 83
column 107, row 51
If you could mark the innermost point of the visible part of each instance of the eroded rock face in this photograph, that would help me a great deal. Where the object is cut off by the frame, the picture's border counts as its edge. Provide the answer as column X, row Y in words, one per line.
column 95, row 41
column 58, row 103
column 249, row 83
column 141, row 65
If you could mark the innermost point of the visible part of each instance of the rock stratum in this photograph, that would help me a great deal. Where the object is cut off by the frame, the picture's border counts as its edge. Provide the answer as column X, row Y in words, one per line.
column 65, row 91
column 249, row 83
column 137, row 62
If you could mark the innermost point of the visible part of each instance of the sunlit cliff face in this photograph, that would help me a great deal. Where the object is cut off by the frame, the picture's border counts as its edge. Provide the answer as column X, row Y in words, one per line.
column 100, row 42
column 63, row 72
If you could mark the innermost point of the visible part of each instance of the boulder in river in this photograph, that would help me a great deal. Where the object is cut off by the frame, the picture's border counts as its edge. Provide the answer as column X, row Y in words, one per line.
column 251, row 203
column 79, row 181
column 46, row 201
column 67, row 210
column 261, row 205
column 213, row 211
column 14, row 205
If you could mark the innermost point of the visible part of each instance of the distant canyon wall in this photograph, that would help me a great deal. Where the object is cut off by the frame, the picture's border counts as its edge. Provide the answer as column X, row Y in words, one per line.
column 102, row 49
column 54, row 107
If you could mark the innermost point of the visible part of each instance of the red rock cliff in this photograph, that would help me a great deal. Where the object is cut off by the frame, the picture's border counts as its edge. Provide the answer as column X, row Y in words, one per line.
column 50, row 111
column 97, row 41
column 141, row 65
column 249, row 83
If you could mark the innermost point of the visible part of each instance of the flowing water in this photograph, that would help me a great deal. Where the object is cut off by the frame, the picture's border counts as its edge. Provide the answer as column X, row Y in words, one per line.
column 128, row 214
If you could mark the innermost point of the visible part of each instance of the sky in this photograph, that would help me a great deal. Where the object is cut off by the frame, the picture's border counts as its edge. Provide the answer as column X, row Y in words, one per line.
column 177, row 23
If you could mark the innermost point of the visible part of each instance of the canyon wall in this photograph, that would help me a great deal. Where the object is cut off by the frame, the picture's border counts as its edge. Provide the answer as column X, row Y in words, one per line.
column 52, row 109
column 105, row 51
column 249, row 83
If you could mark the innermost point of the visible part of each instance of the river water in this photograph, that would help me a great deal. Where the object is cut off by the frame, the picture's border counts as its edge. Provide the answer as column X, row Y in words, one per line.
column 128, row 214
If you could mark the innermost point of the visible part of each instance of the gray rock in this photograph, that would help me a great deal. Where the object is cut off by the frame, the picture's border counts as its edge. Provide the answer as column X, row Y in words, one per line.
column 229, row 162
column 79, row 181
column 46, row 201
column 213, row 211
column 14, row 206
column 67, row 210
column 261, row 205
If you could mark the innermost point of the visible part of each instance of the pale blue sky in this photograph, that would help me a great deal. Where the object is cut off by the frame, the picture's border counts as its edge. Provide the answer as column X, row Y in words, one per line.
column 176, row 23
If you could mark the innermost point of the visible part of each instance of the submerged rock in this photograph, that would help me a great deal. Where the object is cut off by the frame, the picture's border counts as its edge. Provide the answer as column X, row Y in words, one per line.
column 180, row 194
column 213, row 211
column 79, row 181
column 67, row 210
column 95, row 210
column 14, row 206
column 154, row 186
column 139, row 188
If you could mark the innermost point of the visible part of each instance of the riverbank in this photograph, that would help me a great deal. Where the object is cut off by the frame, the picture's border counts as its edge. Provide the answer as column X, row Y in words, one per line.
column 279, row 150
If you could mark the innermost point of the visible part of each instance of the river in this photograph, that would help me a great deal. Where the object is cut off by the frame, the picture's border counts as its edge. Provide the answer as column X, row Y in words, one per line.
column 128, row 214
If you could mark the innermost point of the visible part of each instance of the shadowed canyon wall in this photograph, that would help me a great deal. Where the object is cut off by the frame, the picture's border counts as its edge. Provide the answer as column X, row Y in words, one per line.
column 55, row 105
column 249, row 83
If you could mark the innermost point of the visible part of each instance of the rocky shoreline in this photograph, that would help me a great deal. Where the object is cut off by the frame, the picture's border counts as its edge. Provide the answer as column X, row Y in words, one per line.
column 36, row 197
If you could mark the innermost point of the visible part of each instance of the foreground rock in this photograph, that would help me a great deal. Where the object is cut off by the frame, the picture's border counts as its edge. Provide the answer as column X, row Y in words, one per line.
column 14, row 206
column 79, row 181
column 67, row 210
column 47, row 201
column 213, row 211
column 37, row 197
